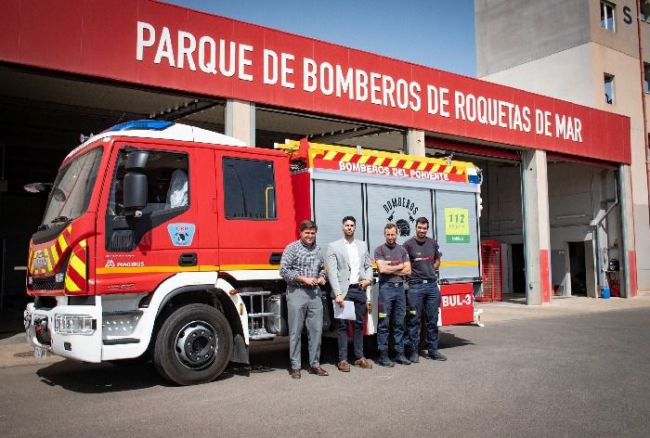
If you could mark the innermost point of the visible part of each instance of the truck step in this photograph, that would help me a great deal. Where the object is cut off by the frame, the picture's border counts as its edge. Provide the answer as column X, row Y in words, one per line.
column 260, row 334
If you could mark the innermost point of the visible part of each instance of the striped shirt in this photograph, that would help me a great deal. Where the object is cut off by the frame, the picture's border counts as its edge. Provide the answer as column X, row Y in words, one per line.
column 299, row 259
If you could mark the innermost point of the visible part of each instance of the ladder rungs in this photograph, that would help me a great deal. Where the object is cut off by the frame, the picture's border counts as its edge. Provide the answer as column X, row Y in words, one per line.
column 255, row 293
column 260, row 315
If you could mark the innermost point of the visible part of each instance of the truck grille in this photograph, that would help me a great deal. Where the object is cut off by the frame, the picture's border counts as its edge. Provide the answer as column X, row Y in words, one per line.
column 44, row 283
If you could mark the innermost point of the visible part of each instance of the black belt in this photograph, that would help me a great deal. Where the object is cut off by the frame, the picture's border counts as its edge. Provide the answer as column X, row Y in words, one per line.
column 428, row 280
column 393, row 283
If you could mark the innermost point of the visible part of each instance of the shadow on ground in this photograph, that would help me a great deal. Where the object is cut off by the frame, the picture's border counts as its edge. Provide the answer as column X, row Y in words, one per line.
column 265, row 356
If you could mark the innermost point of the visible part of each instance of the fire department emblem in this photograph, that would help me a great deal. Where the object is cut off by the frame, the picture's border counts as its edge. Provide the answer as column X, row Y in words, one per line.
column 402, row 212
column 181, row 234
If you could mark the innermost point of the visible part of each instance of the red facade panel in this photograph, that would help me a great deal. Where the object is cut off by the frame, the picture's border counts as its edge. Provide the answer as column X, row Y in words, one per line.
column 162, row 45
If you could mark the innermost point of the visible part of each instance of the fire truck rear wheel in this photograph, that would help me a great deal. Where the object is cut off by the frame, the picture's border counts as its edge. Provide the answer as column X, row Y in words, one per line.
column 194, row 345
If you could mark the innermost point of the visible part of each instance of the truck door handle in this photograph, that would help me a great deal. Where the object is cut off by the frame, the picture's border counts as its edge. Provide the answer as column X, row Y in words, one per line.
column 187, row 259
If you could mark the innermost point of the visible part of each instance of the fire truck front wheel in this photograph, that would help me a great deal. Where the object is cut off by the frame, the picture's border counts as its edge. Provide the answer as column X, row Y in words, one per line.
column 194, row 345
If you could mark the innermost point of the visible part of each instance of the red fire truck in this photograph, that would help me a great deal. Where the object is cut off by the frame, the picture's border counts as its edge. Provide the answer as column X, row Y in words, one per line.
column 163, row 240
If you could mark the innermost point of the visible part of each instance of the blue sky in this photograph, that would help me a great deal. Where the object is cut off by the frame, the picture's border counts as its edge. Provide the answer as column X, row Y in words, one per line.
column 434, row 33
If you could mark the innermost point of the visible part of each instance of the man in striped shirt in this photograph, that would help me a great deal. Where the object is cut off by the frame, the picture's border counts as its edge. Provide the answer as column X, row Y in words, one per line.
column 302, row 268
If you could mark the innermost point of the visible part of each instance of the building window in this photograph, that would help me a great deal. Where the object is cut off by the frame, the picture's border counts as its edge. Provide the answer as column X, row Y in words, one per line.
column 644, row 13
column 609, row 88
column 607, row 16
column 646, row 77
column 249, row 189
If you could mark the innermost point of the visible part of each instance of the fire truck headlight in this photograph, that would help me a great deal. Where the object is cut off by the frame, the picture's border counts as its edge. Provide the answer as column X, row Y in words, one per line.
column 74, row 324
column 59, row 277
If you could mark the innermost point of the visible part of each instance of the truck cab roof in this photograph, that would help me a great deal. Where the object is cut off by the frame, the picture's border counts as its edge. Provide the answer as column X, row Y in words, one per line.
column 161, row 129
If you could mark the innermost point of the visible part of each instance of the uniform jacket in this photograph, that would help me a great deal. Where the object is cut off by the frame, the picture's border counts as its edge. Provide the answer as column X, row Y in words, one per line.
column 338, row 265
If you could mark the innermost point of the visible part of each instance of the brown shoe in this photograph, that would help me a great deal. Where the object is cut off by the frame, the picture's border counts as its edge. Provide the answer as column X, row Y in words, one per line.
column 294, row 373
column 318, row 371
column 344, row 366
column 363, row 363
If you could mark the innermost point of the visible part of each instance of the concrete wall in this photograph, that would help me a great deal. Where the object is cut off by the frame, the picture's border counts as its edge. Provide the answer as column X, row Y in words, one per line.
column 548, row 76
column 513, row 32
column 625, row 38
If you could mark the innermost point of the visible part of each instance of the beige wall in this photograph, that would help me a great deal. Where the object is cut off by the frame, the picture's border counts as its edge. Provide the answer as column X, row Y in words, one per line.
column 625, row 38
column 549, row 75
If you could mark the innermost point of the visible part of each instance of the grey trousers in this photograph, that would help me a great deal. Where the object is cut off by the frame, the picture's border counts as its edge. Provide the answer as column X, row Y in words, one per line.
column 305, row 308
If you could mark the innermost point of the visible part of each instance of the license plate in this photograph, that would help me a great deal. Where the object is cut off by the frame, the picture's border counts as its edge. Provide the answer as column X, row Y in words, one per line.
column 40, row 352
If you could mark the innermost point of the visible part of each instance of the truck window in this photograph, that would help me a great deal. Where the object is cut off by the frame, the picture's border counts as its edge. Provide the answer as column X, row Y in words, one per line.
column 168, row 183
column 249, row 189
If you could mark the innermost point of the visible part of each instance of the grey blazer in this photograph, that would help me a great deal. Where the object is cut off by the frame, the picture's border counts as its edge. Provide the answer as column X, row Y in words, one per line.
column 338, row 265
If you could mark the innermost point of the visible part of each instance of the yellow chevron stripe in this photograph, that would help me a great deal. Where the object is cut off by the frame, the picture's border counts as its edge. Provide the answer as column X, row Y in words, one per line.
column 49, row 262
column 329, row 155
column 448, row 169
column 364, row 159
column 408, row 164
column 422, row 165
column 78, row 265
column 55, row 254
column 379, row 162
column 460, row 263
column 69, row 229
column 393, row 162
column 70, row 285
column 319, row 148
column 347, row 157
column 62, row 243
column 435, row 168
column 83, row 243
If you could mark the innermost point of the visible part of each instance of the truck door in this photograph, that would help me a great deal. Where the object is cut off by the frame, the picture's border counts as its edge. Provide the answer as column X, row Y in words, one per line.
column 457, row 231
column 137, row 252
column 254, row 208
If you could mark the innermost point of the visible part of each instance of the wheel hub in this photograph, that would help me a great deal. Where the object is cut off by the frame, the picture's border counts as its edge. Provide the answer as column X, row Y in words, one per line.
column 196, row 344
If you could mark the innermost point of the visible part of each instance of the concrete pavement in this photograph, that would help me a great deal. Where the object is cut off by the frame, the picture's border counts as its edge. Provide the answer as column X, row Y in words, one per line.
column 14, row 350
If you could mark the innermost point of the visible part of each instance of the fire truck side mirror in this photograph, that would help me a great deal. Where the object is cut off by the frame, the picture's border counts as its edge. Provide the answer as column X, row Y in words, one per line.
column 135, row 192
column 136, row 160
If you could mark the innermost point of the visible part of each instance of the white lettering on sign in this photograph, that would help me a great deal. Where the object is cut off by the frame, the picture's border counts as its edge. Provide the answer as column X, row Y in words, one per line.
column 392, row 171
column 456, row 300
column 206, row 54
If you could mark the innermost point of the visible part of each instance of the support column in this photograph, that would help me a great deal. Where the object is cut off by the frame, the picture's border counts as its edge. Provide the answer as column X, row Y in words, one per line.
column 414, row 143
column 627, row 276
column 240, row 121
column 537, row 233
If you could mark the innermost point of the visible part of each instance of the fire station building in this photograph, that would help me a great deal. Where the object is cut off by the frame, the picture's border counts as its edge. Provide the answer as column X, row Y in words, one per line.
column 557, row 185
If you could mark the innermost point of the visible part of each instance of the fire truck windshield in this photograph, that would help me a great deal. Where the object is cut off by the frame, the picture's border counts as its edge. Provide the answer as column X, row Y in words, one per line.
column 72, row 188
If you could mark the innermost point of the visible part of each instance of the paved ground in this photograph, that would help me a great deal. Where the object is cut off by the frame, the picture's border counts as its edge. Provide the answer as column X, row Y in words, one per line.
column 575, row 367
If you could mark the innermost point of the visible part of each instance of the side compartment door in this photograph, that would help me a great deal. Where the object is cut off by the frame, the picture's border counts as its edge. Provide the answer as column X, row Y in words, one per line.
column 333, row 200
column 137, row 252
column 457, row 231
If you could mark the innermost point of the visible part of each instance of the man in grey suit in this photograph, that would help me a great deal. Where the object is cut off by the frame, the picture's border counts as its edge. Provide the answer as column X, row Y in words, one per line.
column 349, row 272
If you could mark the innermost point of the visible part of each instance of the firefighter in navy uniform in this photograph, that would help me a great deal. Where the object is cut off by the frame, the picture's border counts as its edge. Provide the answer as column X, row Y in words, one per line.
column 423, row 296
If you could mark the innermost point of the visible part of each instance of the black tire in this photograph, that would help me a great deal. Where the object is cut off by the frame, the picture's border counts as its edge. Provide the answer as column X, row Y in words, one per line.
column 205, row 336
